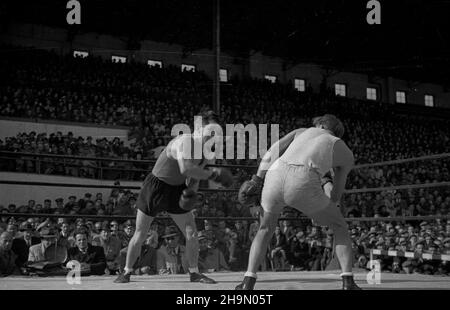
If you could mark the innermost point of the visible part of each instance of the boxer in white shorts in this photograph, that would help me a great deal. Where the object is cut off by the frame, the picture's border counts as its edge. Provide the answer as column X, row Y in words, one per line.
column 292, row 172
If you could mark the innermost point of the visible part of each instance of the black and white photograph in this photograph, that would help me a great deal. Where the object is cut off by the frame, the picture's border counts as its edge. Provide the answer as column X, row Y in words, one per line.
column 197, row 149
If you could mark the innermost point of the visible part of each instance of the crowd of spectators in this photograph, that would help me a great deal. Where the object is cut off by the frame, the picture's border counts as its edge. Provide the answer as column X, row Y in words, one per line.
column 224, row 244
column 43, row 85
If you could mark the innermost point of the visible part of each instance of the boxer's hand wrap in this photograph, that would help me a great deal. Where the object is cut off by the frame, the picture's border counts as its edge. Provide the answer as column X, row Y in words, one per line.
column 250, row 191
column 222, row 176
column 188, row 199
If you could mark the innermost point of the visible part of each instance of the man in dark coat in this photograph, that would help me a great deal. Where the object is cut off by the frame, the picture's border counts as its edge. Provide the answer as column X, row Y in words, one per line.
column 92, row 258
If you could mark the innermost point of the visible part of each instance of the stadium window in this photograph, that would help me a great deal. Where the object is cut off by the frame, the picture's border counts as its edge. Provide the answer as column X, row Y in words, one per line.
column 80, row 54
column 223, row 74
column 340, row 90
column 117, row 59
column 400, row 97
column 271, row 78
column 154, row 63
column 429, row 100
column 299, row 84
column 188, row 68
column 371, row 93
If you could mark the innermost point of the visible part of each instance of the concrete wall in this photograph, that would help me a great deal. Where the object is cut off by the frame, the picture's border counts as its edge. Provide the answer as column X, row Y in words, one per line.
column 257, row 65
column 20, row 194
column 10, row 128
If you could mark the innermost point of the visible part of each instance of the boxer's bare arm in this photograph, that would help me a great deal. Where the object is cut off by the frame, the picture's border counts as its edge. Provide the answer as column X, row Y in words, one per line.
column 343, row 162
column 182, row 149
column 194, row 183
column 275, row 151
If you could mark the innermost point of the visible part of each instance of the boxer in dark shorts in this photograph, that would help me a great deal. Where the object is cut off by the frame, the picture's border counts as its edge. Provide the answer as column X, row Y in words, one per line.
column 172, row 187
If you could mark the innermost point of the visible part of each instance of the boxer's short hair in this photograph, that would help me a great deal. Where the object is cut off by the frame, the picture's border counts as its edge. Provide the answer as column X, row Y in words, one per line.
column 211, row 117
column 331, row 123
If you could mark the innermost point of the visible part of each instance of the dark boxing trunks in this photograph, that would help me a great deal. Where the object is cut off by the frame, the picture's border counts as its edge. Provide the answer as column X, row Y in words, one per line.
column 157, row 196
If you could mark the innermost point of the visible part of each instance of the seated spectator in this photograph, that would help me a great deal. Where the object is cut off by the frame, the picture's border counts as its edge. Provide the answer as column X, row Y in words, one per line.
column 128, row 234
column 64, row 237
column 111, row 246
column 37, row 252
column 210, row 258
column 146, row 262
column 7, row 257
column 299, row 251
column 278, row 250
column 19, row 246
column 91, row 258
column 27, row 231
column 171, row 257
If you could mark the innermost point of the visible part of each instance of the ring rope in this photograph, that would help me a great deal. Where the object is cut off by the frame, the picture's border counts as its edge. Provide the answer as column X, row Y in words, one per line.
column 383, row 163
column 216, row 218
column 135, row 161
column 401, row 161
column 227, row 190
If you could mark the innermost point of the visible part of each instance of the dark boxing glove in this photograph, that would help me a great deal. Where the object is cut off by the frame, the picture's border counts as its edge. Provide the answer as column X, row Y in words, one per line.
column 222, row 176
column 250, row 191
column 188, row 199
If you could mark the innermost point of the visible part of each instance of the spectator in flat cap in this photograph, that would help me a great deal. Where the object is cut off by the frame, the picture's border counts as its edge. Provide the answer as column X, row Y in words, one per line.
column 92, row 258
column 49, row 237
column 111, row 246
column 171, row 257
column 59, row 204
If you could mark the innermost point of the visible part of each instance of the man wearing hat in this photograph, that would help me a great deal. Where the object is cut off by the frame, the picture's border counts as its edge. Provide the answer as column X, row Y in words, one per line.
column 71, row 203
column 171, row 256
column 37, row 251
column 82, row 202
column 111, row 246
column 59, row 204
column 27, row 234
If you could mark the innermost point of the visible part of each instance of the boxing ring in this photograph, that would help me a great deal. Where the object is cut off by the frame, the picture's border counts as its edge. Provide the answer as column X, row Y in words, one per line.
column 287, row 280
column 295, row 280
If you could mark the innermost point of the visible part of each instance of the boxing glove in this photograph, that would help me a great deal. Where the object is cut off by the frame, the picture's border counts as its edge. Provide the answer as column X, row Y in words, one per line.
column 250, row 191
column 222, row 176
column 188, row 199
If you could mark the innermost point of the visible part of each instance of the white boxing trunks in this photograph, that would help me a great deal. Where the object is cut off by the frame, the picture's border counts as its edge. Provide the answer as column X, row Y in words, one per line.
column 295, row 186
